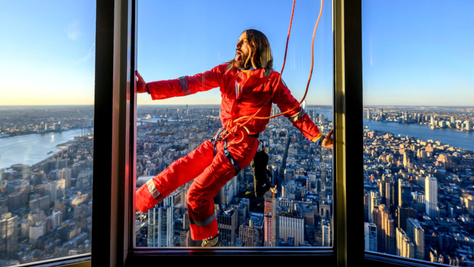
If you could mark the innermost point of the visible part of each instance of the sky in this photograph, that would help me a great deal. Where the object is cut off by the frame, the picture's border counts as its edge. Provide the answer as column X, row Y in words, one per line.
column 418, row 52
column 414, row 52
column 47, row 52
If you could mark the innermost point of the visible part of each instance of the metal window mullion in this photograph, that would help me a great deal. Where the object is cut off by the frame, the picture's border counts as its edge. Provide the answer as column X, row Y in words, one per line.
column 348, row 159
column 111, row 135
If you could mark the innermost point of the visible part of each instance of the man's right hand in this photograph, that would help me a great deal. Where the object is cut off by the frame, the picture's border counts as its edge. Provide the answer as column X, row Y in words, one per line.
column 141, row 84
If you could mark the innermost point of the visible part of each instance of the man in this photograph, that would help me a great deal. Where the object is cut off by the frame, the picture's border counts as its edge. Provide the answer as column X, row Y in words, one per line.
column 249, row 87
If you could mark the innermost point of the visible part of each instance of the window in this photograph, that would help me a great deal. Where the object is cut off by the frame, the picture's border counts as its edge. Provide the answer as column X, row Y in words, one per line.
column 46, row 130
column 181, row 38
column 418, row 130
column 114, row 145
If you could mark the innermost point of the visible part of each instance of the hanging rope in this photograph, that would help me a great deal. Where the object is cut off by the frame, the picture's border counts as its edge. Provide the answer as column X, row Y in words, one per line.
column 233, row 126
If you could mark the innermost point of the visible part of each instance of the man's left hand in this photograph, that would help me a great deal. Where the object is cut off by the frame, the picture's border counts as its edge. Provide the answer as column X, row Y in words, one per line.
column 328, row 142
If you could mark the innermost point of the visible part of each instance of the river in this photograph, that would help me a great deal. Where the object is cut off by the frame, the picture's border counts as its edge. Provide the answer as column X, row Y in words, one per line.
column 32, row 148
column 459, row 139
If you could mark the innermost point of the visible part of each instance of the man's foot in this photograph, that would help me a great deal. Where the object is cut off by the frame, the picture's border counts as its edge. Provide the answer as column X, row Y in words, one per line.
column 211, row 242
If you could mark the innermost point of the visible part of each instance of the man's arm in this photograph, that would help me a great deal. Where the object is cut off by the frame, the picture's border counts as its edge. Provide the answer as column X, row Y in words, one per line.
column 298, row 117
column 182, row 86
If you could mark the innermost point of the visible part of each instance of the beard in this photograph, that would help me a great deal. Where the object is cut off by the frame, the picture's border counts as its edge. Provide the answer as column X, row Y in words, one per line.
column 240, row 58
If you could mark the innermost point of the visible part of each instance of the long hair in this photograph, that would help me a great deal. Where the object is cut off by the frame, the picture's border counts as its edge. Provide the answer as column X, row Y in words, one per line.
column 260, row 54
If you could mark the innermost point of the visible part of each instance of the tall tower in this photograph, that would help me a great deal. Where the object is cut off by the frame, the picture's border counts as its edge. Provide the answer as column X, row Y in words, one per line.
column 431, row 196
column 416, row 233
column 283, row 161
column 271, row 218
column 370, row 234
column 57, row 218
column 408, row 159
column 403, row 213
column 386, row 239
column 374, row 201
column 161, row 224
column 292, row 228
column 227, row 222
column 326, row 233
column 405, row 248
column 8, row 235
column 404, row 193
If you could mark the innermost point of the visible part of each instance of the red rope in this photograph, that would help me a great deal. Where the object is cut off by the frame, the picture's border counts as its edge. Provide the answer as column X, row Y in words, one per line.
column 233, row 125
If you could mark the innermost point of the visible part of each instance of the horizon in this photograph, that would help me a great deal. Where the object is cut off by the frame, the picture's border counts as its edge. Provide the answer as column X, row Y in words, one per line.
column 410, row 55
column 218, row 105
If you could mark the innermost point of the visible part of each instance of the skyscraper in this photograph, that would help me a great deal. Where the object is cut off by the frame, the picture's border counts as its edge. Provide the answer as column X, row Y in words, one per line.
column 326, row 233
column 271, row 218
column 416, row 233
column 57, row 218
column 431, row 196
column 386, row 239
column 294, row 227
column 407, row 158
column 403, row 214
column 161, row 224
column 374, row 201
column 405, row 248
column 8, row 235
column 404, row 193
column 227, row 223
column 370, row 236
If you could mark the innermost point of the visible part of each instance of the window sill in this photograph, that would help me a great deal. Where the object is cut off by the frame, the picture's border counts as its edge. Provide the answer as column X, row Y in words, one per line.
column 272, row 255
column 385, row 260
column 73, row 261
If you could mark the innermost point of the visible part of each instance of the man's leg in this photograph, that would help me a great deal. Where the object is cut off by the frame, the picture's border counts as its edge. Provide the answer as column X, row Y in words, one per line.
column 178, row 173
column 200, row 200
column 205, row 187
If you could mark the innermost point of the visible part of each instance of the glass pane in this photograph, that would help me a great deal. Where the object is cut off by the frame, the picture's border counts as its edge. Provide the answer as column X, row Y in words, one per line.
column 418, row 129
column 184, row 38
column 46, row 119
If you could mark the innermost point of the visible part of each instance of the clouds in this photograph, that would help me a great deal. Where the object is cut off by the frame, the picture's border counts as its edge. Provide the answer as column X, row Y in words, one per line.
column 73, row 31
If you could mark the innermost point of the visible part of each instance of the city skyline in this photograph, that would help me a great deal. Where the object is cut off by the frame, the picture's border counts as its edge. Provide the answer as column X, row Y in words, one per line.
column 413, row 53
column 418, row 157
column 398, row 162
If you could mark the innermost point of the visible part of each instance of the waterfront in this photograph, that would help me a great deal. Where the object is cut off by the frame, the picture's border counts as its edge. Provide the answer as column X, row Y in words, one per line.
column 32, row 148
column 459, row 139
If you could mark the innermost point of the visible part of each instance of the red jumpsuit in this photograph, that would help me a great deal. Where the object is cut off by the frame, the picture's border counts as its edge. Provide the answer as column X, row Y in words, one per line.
column 243, row 94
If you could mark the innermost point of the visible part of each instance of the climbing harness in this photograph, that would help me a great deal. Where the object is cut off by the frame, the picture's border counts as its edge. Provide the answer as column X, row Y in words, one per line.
column 222, row 136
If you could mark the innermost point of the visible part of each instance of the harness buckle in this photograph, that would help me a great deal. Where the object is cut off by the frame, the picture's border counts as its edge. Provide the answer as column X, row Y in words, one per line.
column 226, row 151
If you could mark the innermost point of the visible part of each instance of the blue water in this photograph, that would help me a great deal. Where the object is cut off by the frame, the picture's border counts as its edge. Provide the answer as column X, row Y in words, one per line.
column 459, row 139
column 32, row 148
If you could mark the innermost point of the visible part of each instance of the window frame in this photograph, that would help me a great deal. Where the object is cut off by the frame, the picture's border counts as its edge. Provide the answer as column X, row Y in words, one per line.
column 115, row 134
column 115, row 107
